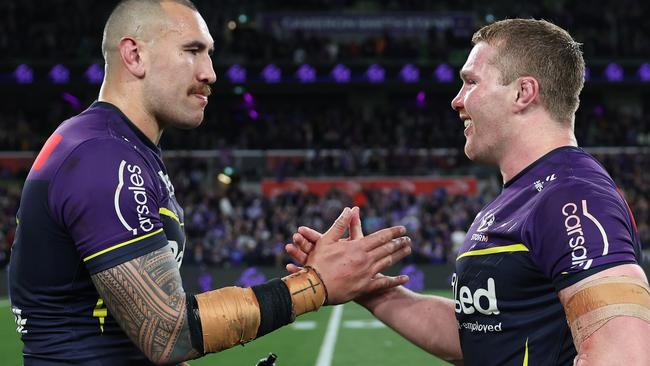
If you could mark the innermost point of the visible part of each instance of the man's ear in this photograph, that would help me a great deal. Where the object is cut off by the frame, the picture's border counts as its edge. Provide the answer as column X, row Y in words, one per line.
column 130, row 53
column 527, row 92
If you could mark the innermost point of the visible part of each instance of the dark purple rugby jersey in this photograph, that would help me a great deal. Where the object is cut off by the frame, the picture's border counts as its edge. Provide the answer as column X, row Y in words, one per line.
column 558, row 221
column 98, row 195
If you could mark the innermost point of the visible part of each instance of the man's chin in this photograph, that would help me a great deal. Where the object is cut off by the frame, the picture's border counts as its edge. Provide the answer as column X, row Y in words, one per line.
column 189, row 124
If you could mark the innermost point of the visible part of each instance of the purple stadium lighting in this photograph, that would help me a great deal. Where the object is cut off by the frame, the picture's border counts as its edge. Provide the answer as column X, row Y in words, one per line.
column 248, row 98
column 271, row 73
column 599, row 110
column 410, row 73
column 94, row 74
column 251, row 277
column 253, row 114
column 375, row 73
column 236, row 74
column 341, row 73
column 587, row 73
column 306, row 74
column 421, row 97
column 24, row 74
column 72, row 100
column 614, row 72
column 644, row 72
column 59, row 74
column 444, row 73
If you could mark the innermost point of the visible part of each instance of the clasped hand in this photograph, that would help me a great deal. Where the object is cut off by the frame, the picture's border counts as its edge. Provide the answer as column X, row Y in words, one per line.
column 349, row 267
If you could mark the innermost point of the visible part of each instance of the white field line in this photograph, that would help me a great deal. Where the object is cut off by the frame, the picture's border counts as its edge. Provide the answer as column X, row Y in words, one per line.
column 327, row 348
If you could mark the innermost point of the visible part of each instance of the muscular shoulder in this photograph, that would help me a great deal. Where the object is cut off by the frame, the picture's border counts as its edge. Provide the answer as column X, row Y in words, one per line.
column 89, row 135
column 579, row 222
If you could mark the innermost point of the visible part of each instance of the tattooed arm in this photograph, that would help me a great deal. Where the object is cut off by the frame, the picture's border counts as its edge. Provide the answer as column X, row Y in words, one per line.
column 146, row 297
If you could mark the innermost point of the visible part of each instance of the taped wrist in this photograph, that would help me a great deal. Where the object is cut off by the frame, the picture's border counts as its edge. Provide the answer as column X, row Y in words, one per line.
column 308, row 292
column 275, row 306
column 223, row 318
column 194, row 323
column 229, row 316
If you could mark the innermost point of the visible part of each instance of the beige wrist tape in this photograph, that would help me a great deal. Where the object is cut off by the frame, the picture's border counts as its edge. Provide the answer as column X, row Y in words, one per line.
column 599, row 301
column 308, row 293
column 229, row 316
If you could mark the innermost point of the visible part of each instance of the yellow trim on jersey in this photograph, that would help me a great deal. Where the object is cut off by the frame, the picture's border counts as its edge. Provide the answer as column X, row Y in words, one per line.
column 169, row 213
column 100, row 312
column 495, row 250
column 526, row 354
column 122, row 244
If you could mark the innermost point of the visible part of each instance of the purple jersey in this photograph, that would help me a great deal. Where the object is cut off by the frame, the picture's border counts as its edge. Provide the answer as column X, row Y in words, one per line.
column 555, row 223
column 97, row 195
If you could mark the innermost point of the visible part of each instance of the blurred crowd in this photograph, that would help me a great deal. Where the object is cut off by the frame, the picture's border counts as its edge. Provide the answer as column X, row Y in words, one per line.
column 233, row 227
column 65, row 29
column 314, row 122
column 238, row 227
column 355, row 132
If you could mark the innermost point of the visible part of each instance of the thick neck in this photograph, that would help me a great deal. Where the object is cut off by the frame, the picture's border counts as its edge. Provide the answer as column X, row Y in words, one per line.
column 532, row 144
column 128, row 100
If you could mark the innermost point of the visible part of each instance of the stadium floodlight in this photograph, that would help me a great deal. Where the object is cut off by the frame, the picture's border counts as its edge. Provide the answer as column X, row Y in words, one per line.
column 253, row 114
column 614, row 72
column 341, row 73
column 306, row 74
column 94, row 74
column 421, row 97
column 410, row 73
column 224, row 179
column 236, row 74
column 644, row 72
column 59, row 74
column 444, row 73
column 271, row 73
column 72, row 100
column 375, row 73
column 248, row 98
column 24, row 74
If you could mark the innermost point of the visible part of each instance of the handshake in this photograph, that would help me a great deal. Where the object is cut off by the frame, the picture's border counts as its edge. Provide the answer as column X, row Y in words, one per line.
column 350, row 267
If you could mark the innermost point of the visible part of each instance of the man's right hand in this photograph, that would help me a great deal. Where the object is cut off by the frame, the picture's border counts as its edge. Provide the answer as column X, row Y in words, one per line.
column 350, row 267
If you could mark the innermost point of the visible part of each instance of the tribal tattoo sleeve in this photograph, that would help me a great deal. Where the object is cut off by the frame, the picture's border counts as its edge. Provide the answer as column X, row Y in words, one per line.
column 146, row 297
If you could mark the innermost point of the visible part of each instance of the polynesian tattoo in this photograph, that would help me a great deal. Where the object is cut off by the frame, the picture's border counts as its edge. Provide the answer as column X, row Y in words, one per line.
column 146, row 297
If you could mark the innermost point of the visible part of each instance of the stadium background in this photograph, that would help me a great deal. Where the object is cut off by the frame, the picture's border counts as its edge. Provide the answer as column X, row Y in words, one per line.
column 320, row 105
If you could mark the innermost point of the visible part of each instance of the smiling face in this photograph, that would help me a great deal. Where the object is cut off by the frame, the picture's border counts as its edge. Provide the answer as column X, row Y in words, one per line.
column 179, row 68
column 483, row 104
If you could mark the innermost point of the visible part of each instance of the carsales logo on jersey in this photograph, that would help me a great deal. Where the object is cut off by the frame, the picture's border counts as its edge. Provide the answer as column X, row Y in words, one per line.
column 575, row 234
column 468, row 301
column 137, row 192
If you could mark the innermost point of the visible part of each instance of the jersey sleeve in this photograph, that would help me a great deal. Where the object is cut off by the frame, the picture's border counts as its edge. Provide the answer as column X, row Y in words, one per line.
column 579, row 228
column 107, row 198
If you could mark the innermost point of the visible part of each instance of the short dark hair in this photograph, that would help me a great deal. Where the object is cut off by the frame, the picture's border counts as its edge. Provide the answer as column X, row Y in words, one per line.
column 537, row 48
column 132, row 9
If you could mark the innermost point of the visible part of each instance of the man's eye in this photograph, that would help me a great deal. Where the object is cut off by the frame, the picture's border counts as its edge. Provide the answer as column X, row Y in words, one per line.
column 194, row 51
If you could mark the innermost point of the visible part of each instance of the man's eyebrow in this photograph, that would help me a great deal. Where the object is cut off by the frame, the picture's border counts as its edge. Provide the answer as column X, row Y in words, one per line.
column 200, row 46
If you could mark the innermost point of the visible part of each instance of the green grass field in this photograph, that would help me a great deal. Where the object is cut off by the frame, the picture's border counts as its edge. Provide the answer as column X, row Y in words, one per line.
column 348, row 335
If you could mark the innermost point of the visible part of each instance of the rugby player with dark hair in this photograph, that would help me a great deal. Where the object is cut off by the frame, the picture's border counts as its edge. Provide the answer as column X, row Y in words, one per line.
column 94, row 272
column 548, row 273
